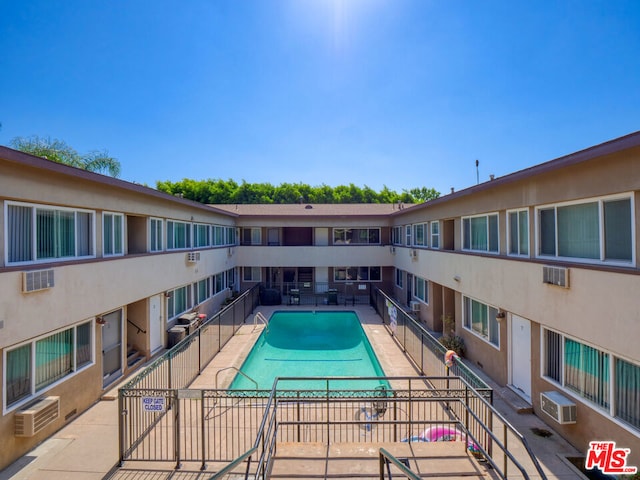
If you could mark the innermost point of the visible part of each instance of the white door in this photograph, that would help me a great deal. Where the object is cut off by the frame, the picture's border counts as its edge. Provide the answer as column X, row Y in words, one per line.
column 112, row 347
column 155, row 323
column 521, row 355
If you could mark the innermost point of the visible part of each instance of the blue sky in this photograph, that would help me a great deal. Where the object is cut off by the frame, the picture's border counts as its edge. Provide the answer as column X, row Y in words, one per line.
column 402, row 93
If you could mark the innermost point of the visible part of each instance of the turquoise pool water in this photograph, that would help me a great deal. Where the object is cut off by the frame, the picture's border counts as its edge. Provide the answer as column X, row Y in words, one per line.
column 311, row 344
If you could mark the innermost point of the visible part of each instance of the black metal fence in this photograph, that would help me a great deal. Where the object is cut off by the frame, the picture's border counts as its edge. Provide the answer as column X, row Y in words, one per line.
column 423, row 348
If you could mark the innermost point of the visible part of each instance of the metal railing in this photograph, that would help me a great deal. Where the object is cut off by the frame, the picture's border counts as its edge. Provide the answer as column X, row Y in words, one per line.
column 425, row 350
column 180, row 365
column 386, row 460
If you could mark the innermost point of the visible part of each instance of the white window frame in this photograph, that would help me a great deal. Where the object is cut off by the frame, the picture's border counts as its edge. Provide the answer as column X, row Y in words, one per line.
column 355, row 271
column 408, row 231
column 75, row 369
column 187, row 235
column 154, row 223
column 196, row 227
column 189, row 299
column 417, row 279
column 113, row 216
column 609, row 412
column 34, row 233
column 434, row 235
column 489, row 238
column 399, row 278
column 396, row 235
column 255, row 235
column 600, row 201
column 425, row 234
column 518, row 211
column 490, row 324
column 255, row 274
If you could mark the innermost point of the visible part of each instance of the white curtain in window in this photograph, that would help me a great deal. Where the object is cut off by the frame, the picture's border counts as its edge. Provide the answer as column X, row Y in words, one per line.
column 19, row 231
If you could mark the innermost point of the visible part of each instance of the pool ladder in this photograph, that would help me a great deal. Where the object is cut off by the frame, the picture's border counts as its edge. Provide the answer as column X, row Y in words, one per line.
column 260, row 317
column 237, row 370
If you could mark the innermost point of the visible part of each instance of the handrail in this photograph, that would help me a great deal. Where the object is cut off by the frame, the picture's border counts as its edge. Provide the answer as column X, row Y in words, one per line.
column 233, row 464
column 261, row 317
column 139, row 329
column 512, row 429
column 386, row 457
column 237, row 370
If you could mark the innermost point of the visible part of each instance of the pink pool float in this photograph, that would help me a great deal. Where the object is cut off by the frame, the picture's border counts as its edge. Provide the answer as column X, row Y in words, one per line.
column 443, row 434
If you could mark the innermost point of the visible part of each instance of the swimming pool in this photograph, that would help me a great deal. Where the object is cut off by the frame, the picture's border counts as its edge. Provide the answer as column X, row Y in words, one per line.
column 311, row 344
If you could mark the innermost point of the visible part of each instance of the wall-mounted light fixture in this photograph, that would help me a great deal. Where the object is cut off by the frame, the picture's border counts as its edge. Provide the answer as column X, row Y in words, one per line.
column 167, row 294
column 501, row 314
column 457, row 278
column 100, row 321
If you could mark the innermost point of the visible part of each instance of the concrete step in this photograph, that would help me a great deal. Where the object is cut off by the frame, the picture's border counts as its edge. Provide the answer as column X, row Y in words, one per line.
column 362, row 461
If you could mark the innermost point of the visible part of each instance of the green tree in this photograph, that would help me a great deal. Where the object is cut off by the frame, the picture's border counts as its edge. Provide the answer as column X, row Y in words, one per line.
column 58, row 151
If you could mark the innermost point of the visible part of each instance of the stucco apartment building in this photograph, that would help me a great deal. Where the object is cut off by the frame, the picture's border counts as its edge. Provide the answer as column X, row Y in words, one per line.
column 538, row 269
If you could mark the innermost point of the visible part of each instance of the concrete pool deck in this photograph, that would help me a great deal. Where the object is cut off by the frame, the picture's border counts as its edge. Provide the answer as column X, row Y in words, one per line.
column 87, row 448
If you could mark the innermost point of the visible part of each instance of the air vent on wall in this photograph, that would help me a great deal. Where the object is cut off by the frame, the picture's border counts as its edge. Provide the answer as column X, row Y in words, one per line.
column 193, row 257
column 34, row 418
column 37, row 280
column 558, row 276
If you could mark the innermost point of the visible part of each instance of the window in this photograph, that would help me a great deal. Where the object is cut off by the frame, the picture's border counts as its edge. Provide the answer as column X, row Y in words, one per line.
column 407, row 233
column 251, row 274
column 361, row 236
column 481, row 319
column 218, row 235
column 435, row 234
column 598, row 230
column 396, row 235
column 32, row 367
column 361, row 274
column 178, row 235
column 203, row 290
column 219, row 282
column 611, row 384
column 230, row 235
column 518, row 232
column 231, row 278
column 112, row 234
column 399, row 278
column 39, row 233
column 627, row 392
column 155, row 230
column 180, row 300
column 421, row 289
column 201, row 235
column 480, row 233
column 252, row 236
column 420, row 234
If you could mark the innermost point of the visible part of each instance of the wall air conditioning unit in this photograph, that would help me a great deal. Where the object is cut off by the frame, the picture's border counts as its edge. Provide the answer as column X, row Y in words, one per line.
column 34, row 418
column 193, row 257
column 555, row 276
column 230, row 252
column 413, row 253
column 37, row 280
column 392, row 249
column 558, row 407
column 415, row 306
